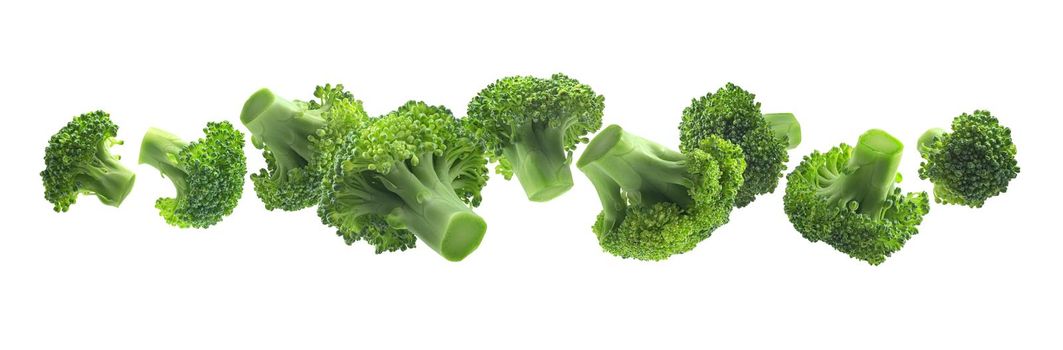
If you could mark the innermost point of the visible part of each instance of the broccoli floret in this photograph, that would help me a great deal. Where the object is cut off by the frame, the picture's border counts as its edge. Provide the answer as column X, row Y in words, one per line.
column 532, row 125
column 78, row 160
column 299, row 140
column 733, row 114
column 413, row 172
column 847, row 197
column 657, row 202
column 974, row 162
column 208, row 173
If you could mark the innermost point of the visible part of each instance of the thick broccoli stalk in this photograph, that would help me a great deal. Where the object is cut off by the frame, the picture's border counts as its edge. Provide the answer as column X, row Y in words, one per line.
column 786, row 127
column 413, row 171
column 974, row 162
column 734, row 115
column 657, row 202
column 532, row 125
column 78, row 161
column 208, row 174
column 848, row 198
column 298, row 140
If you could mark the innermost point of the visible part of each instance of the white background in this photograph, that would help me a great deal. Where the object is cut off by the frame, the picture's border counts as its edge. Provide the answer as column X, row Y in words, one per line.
column 104, row 278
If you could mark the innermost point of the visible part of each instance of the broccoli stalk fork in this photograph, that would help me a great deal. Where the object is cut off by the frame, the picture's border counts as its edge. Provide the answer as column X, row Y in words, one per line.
column 78, row 161
column 538, row 158
column 418, row 198
column 657, row 202
column 106, row 177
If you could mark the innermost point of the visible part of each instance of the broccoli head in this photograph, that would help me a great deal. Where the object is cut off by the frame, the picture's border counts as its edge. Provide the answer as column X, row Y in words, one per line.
column 532, row 125
column 208, row 173
column 847, row 197
column 734, row 115
column 974, row 162
column 415, row 172
column 657, row 202
column 78, row 161
column 298, row 140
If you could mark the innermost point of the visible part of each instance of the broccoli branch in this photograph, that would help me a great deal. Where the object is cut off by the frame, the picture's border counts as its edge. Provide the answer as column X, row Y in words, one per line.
column 538, row 157
column 106, row 177
column 869, row 177
column 159, row 149
column 624, row 167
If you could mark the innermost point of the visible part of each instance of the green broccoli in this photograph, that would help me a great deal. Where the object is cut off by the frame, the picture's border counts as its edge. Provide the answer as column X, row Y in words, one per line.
column 413, row 172
column 78, row 160
column 208, row 173
column 298, row 140
column 974, row 162
column 733, row 114
column 848, row 198
column 657, row 202
column 532, row 125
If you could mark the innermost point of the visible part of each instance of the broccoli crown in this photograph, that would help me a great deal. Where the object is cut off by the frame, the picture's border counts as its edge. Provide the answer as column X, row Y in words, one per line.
column 532, row 125
column 299, row 140
column 657, row 202
column 734, row 115
column 413, row 172
column 78, row 160
column 974, row 162
column 848, row 198
column 207, row 173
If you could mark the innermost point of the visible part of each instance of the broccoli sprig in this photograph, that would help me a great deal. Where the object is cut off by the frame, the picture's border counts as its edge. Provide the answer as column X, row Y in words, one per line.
column 847, row 197
column 734, row 115
column 299, row 140
column 657, row 202
column 208, row 173
column 532, row 125
column 413, row 172
column 974, row 162
column 78, row 161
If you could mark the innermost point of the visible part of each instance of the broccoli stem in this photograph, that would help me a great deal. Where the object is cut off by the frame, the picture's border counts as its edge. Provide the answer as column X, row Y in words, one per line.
column 645, row 171
column 159, row 149
column 282, row 126
column 785, row 126
column 108, row 179
column 540, row 162
column 870, row 174
column 927, row 140
column 432, row 210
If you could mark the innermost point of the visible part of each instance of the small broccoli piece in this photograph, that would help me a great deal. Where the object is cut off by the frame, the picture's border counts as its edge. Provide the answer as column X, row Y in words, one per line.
column 848, row 198
column 532, row 125
column 657, row 202
column 413, row 172
column 78, row 160
column 974, row 162
column 299, row 140
column 208, row 173
column 733, row 114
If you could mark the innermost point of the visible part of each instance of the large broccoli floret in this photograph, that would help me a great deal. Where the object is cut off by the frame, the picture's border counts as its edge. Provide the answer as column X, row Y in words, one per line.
column 848, row 198
column 733, row 114
column 657, row 202
column 78, row 160
column 532, row 125
column 413, row 172
column 208, row 173
column 974, row 162
column 298, row 140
